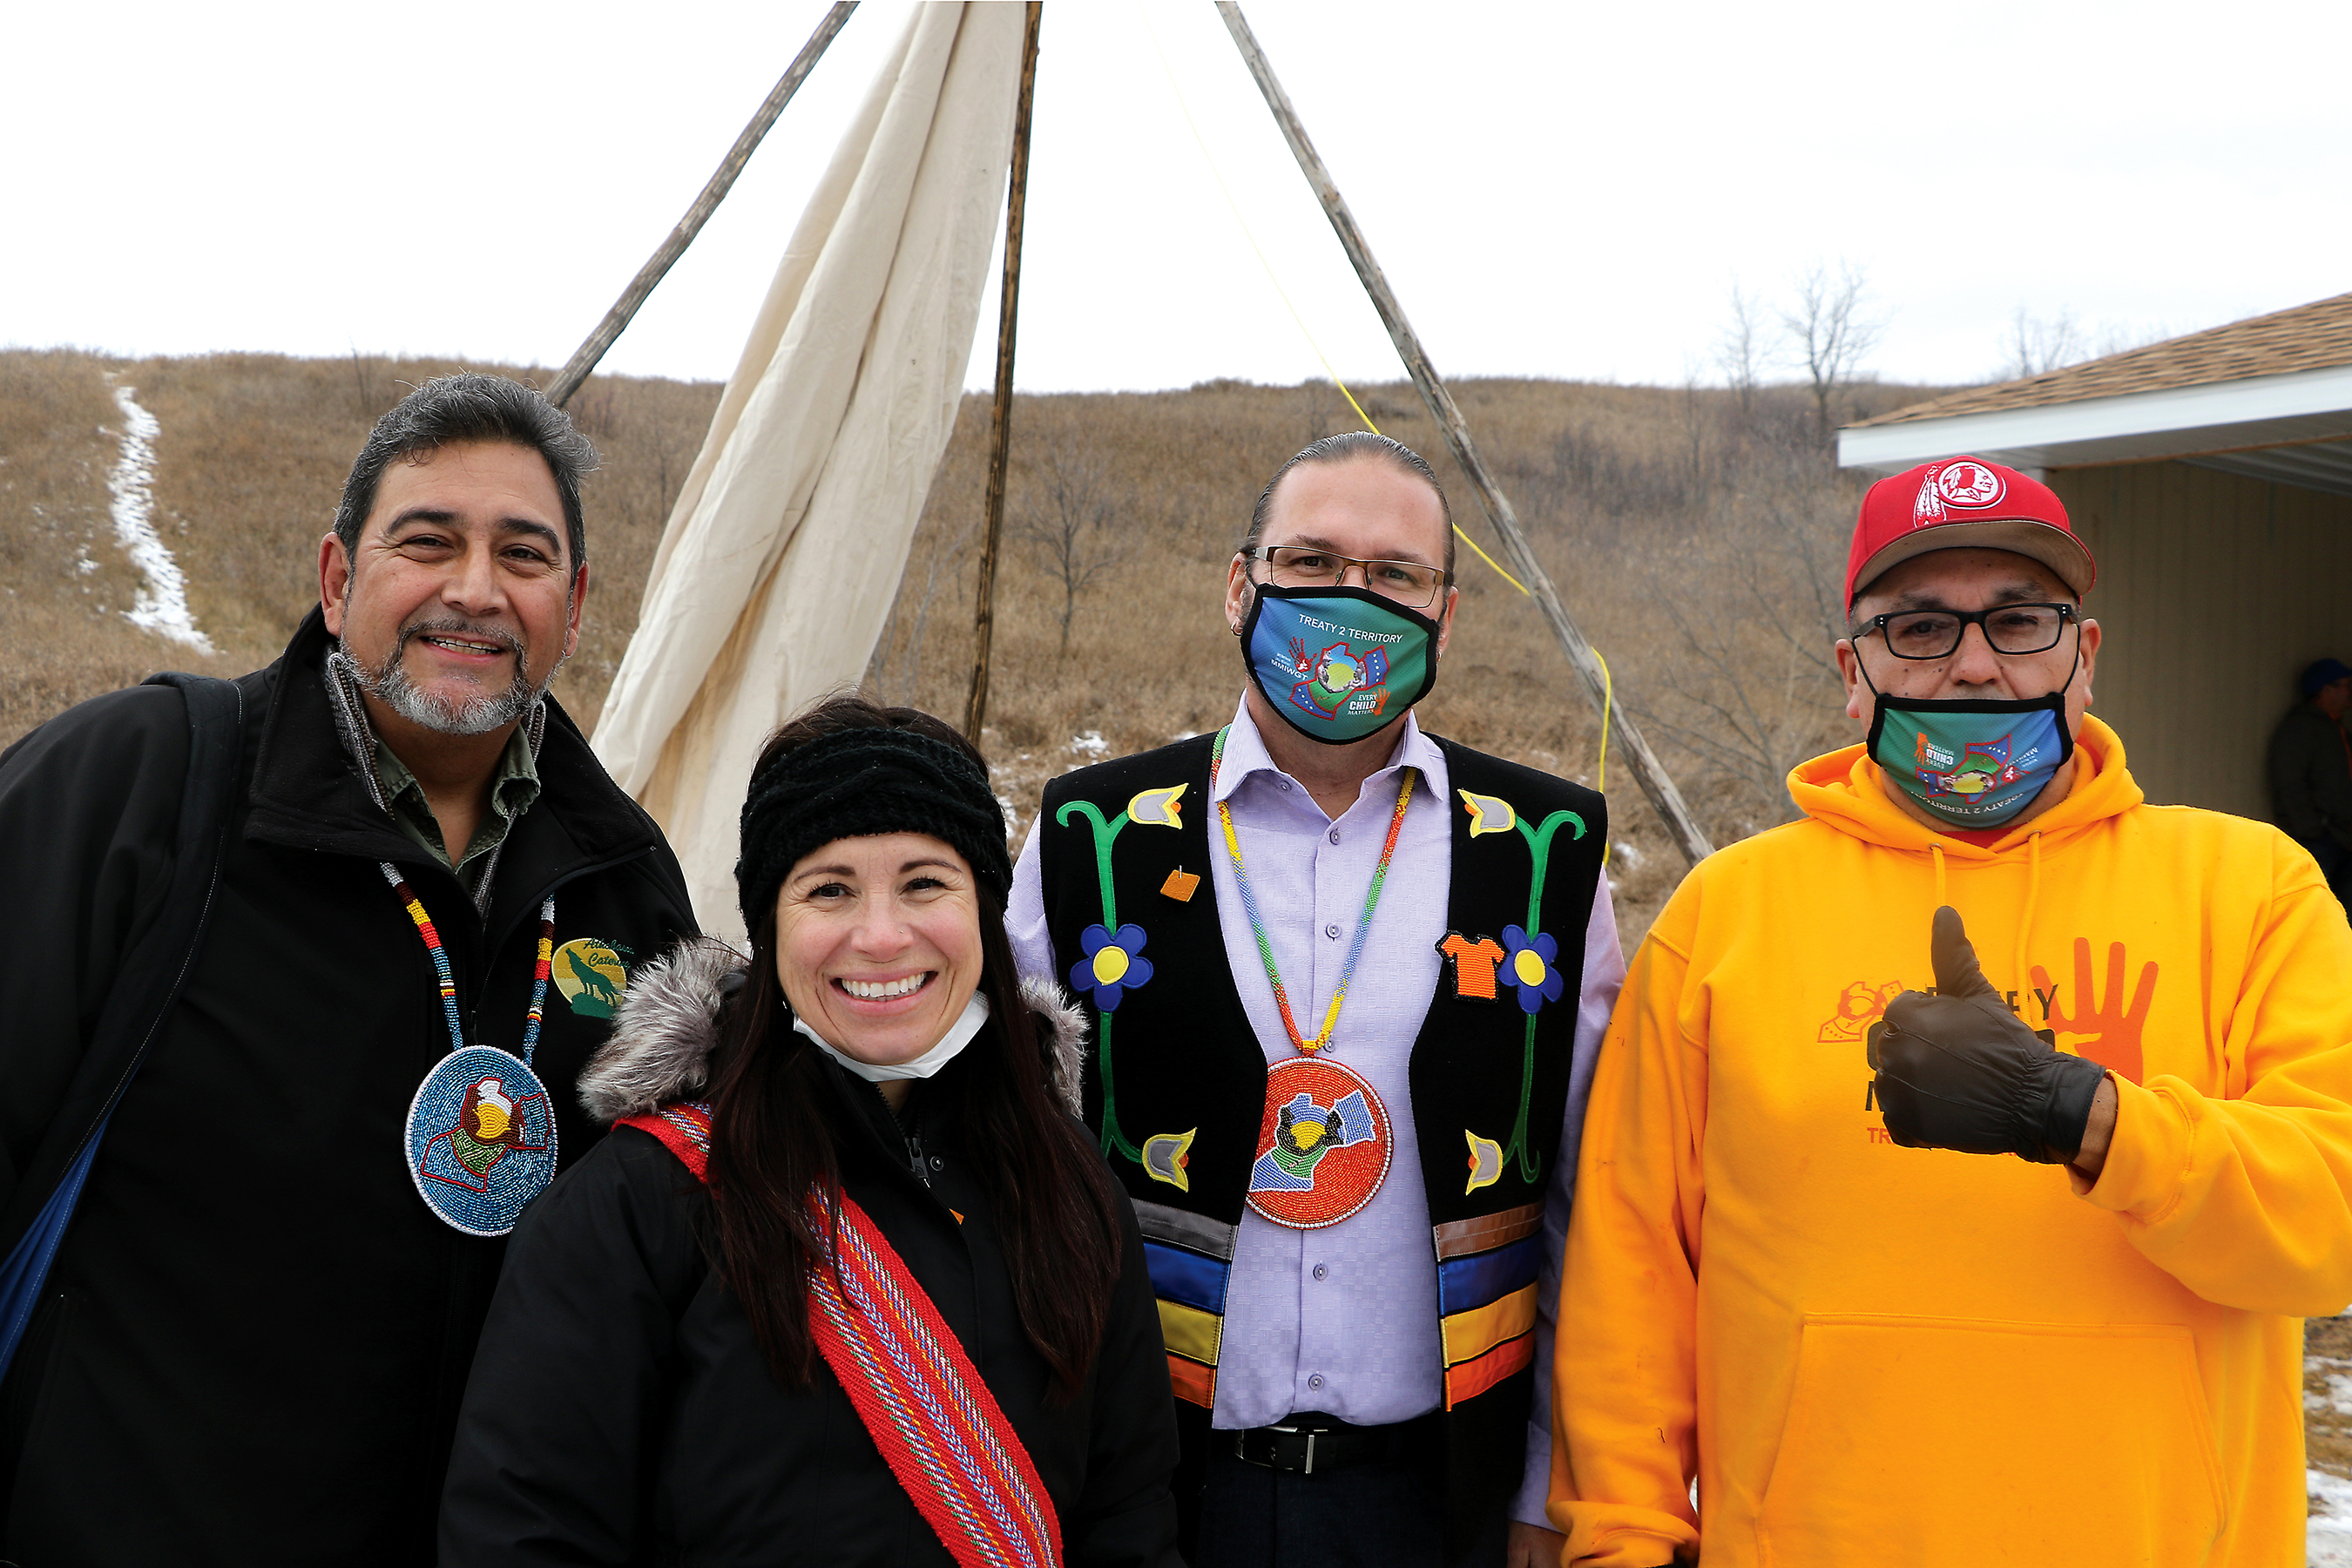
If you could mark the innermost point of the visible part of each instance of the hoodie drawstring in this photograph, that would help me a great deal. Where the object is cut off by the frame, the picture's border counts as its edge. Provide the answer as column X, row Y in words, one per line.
column 2025, row 918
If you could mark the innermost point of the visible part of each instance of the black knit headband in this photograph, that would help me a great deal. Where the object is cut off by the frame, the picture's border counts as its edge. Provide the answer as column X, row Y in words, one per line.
column 855, row 783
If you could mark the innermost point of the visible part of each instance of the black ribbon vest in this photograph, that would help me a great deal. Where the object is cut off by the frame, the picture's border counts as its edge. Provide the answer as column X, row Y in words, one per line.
column 1175, row 1085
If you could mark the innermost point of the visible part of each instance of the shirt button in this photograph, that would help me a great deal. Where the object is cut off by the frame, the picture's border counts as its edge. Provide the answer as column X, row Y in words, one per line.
column 1316, row 1381
column 1286, row 786
column 1332, row 931
column 1335, row 836
column 1322, row 1271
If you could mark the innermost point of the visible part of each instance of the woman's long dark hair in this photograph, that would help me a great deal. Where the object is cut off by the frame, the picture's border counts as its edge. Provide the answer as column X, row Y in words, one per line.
column 772, row 1144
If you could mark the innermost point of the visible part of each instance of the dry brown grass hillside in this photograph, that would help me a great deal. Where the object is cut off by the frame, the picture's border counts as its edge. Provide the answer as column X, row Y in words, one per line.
column 1693, row 533
column 1698, row 537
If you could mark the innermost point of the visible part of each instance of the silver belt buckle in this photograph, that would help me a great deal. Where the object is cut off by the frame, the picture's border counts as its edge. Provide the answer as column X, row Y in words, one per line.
column 1310, row 1436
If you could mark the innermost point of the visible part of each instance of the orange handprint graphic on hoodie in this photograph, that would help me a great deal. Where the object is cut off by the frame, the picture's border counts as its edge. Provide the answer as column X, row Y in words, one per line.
column 2112, row 1029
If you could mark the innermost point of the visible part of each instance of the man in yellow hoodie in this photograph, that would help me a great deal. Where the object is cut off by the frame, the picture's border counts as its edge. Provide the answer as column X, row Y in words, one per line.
column 1820, row 1262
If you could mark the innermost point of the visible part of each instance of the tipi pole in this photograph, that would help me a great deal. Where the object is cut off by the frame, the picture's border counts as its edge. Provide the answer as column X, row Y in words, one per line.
column 1000, row 430
column 633, row 298
column 1647, row 771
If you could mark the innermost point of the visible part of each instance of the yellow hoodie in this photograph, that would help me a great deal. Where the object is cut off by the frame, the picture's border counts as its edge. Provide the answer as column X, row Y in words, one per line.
column 1875, row 1355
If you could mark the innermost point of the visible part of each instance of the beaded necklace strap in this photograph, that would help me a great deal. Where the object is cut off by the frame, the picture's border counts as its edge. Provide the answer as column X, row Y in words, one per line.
column 1257, row 926
column 447, row 979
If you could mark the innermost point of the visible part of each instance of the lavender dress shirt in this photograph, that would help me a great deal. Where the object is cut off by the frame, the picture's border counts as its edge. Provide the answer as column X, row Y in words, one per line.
column 1344, row 1320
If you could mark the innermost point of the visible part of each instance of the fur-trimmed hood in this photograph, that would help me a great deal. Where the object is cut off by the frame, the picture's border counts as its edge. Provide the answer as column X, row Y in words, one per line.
column 668, row 1021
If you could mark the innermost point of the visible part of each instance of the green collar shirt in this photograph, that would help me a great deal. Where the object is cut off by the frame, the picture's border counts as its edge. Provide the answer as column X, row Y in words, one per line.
column 513, row 788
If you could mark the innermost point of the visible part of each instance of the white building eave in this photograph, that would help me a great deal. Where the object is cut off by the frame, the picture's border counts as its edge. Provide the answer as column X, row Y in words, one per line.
column 2177, row 422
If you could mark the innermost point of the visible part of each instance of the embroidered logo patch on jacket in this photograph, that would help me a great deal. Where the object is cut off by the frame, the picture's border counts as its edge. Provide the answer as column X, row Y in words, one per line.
column 591, row 975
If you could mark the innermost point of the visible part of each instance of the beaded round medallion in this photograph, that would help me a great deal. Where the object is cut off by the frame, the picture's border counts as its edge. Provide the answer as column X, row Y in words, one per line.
column 482, row 1139
column 1323, row 1148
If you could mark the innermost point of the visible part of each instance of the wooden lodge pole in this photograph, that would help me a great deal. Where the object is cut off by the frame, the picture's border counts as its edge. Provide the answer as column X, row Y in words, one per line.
column 1000, row 430
column 1647, row 770
column 633, row 298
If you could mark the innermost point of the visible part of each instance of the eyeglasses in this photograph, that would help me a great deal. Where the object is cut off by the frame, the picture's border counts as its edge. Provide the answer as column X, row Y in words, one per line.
column 1407, row 583
column 2007, row 628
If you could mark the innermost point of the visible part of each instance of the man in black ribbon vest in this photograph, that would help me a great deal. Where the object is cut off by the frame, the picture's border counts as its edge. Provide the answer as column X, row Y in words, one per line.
column 254, row 1338
column 1347, row 981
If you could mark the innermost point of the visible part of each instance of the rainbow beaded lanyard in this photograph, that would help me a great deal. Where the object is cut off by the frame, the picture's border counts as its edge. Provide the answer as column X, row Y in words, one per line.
column 448, row 981
column 480, row 1140
column 1257, row 926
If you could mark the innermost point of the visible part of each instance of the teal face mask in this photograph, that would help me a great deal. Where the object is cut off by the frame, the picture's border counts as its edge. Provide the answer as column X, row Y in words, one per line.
column 1973, row 765
column 1337, row 663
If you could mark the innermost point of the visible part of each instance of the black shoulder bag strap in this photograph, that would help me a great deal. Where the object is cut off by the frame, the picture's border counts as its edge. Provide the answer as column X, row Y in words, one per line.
column 145, row 990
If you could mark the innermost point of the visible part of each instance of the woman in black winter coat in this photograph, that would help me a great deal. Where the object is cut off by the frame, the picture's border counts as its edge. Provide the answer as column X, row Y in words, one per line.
column 649, row 1387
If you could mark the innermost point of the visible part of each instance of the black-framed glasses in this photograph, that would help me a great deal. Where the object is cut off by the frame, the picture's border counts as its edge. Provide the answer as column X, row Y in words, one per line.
column 1408, row 583
column 2007, row 628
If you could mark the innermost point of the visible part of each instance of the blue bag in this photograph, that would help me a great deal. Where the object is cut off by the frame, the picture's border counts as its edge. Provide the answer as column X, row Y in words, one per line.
column 146, row 990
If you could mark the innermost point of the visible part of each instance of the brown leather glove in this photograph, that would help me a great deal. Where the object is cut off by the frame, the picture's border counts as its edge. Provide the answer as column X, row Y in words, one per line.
column 1958, row 1070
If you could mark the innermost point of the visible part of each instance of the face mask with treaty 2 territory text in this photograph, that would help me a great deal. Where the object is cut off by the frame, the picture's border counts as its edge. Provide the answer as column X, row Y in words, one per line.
column 1337, row 663
column 1973, row 763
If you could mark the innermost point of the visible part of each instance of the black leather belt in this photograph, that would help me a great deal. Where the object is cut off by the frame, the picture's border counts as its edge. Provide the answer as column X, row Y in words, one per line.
column 1310, row 1444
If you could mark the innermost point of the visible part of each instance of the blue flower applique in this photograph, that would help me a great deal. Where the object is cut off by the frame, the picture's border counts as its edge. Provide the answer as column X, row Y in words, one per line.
column 1114, row 963
column 1530, row 963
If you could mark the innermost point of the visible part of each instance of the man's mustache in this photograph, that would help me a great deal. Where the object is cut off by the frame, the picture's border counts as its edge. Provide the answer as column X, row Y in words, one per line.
column 452, row 627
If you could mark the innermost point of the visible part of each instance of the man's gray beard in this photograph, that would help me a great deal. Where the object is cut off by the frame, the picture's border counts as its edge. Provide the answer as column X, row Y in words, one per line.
column 480, row 714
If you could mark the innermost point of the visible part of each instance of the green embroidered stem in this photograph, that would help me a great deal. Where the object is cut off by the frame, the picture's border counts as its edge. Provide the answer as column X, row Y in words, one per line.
column 1114, row 1141
column 1540, row 851
column 1529, row 1164
column 1104, row 834
column 1539, row 846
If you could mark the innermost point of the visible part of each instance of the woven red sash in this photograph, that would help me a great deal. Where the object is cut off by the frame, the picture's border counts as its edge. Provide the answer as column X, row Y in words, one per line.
column 923, row 1401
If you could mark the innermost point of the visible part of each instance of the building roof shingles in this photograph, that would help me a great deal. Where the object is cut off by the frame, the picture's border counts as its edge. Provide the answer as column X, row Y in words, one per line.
column 2316, row 336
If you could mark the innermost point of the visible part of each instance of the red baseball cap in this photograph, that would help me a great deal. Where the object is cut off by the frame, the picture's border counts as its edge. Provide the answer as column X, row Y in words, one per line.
column 1964, row 504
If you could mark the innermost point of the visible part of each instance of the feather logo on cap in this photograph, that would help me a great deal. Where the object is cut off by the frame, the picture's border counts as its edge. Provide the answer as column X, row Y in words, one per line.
column 1927, row 507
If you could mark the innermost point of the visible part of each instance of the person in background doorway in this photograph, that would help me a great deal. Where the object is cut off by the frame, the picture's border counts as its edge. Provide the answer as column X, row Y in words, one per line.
column 2311, row 772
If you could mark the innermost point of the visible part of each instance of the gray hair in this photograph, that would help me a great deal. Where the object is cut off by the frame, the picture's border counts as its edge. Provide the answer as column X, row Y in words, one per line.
column 470, row 407
column 1344, row 447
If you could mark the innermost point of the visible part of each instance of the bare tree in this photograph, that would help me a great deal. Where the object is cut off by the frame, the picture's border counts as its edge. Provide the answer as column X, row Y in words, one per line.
column 1740, row 350
column 1747, row 686
column 2035, row 347
column 1829, row 333
column 1069, row 514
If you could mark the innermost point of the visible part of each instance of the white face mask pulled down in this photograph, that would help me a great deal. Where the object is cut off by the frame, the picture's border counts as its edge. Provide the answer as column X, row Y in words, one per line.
column 951, row 1044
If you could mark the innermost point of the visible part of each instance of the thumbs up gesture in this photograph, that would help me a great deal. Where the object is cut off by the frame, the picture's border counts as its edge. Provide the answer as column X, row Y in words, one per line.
column 1957, row 1070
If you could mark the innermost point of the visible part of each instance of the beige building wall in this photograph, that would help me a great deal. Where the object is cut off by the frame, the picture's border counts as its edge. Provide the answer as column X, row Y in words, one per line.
column 2214, row 591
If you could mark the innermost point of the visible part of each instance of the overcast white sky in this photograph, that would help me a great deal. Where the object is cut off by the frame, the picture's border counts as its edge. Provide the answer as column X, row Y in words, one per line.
column 1560, row 190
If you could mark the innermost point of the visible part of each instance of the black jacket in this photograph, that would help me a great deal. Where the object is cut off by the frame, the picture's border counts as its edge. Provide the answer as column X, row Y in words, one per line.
column 620, row 1411
column 2311, row 778
column 256, row 1336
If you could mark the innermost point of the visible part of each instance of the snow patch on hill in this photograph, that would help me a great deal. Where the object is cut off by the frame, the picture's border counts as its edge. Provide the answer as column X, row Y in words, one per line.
column 162, row 605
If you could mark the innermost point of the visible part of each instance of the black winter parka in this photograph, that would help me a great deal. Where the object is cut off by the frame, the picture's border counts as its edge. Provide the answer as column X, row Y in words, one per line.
column 254, row 1339
column 620, row 1411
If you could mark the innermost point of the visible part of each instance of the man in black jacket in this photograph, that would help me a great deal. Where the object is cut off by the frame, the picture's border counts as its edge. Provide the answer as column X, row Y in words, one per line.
column 253, row 1339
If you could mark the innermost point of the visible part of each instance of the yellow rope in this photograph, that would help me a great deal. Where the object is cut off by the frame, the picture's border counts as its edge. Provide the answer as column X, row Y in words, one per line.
column 1608, row 706
column 1215, row 173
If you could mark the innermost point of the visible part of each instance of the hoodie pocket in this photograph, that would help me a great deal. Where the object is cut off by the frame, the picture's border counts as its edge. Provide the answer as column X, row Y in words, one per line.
column 1944, row 1442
